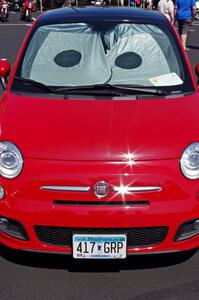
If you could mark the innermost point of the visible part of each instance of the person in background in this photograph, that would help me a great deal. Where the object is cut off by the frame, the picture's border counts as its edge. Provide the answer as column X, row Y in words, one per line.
column 166, row 7
column 155, row 4
column 132, row 3
column 184, row 12
column 66, row 3
column 149, row 4
column 142, row 3
column 138, row 3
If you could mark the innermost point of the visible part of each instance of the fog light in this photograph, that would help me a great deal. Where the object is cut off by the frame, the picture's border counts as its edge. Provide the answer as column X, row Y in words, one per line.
column 187, row 230
column 1, row 192
column 4, row 223
column 12, row 228
column 196, row 224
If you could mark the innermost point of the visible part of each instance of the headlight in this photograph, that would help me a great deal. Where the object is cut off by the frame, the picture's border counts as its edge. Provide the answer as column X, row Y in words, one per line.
column 190, row 161
column 11, row 161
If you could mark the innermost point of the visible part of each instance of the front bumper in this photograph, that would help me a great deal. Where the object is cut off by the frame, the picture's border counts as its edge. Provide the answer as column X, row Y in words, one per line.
column 27, row 203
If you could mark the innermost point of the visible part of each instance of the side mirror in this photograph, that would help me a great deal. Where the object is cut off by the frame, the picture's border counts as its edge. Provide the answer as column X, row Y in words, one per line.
column 197, row 72
column 4, row 72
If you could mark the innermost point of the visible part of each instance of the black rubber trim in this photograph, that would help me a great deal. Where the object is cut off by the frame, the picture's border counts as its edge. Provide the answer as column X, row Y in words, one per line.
column 101, row 203
column 128, row 254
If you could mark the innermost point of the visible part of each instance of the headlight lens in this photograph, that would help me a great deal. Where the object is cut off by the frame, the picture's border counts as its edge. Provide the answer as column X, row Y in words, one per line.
column 190, row 161
column 11, row 161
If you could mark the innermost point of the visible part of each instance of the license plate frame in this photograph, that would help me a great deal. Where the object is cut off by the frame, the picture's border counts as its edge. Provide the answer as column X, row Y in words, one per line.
column 99, row 246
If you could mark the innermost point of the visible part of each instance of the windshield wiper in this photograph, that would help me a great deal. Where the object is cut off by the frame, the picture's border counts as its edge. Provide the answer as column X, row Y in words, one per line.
column 115, row 88
column 36, row 83
column 140, row 89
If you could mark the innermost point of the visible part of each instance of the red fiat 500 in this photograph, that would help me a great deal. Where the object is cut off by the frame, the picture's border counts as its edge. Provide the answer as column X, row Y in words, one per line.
column 99, row 145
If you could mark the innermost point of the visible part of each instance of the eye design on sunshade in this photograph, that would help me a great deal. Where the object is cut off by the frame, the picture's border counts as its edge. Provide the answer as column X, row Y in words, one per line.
column 128, row 60
column 68, row 58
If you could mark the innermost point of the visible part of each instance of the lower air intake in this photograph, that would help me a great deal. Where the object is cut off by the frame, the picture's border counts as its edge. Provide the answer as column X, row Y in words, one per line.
column 136, row 237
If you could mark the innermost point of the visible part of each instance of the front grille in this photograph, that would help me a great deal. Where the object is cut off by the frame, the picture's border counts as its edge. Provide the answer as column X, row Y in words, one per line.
column 136, row 237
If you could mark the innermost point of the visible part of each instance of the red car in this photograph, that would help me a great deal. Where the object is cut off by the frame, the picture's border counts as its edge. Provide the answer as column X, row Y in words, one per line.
column 99, row 147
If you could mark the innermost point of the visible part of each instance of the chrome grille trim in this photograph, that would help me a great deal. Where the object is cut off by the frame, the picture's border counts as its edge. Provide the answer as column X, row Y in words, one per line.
column 116, row 189
column 66, row 188
column 136, row 189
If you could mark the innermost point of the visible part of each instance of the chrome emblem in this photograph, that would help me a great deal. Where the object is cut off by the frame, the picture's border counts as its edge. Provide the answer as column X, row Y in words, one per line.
column 101, row 189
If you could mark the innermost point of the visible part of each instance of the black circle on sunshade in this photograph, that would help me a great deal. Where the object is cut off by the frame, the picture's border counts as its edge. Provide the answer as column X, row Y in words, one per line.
column 128, row 60
column 68, row 58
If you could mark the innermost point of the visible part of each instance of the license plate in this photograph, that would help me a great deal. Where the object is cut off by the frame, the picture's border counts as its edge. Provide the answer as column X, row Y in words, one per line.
column 99, row 246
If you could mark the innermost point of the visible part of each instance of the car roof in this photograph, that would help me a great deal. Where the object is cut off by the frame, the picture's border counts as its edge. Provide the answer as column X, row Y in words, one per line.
column 105, row 13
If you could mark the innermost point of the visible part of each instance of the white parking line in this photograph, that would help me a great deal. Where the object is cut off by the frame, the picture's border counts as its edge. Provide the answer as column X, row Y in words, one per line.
column 12, row 24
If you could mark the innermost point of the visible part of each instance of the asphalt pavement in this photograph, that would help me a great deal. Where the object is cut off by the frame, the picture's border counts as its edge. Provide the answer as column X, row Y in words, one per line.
column 26, row 276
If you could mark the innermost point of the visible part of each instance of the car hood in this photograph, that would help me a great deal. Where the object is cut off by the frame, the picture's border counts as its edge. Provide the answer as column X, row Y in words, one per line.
column 99, row 130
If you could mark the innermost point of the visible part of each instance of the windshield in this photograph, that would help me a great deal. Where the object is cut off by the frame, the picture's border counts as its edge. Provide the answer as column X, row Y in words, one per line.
column 80, row 54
